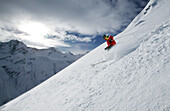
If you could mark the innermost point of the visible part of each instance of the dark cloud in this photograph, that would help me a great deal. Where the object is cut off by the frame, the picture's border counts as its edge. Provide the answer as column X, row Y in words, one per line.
column 13, row 30
column 95, row 15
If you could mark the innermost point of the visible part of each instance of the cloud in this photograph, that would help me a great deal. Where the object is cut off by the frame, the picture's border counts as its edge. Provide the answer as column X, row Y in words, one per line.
column 13, row 30
column 79, row 48
column 36, row 41
column 84, row 16
column 70, row 36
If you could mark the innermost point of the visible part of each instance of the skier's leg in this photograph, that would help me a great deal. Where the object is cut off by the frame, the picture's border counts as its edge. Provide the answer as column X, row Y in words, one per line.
column 108, row 47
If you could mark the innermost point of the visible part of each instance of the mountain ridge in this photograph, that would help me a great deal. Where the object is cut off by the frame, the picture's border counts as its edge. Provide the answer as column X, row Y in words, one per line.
column 19, row 62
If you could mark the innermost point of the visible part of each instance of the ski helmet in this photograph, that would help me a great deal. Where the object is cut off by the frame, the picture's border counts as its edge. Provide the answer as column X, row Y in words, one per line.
column 104, row 36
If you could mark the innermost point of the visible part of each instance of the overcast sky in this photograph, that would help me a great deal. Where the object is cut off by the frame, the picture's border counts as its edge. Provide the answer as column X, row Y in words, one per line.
column 69, row 25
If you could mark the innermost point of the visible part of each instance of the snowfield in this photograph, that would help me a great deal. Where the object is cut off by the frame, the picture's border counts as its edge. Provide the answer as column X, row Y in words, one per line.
column 133, row 76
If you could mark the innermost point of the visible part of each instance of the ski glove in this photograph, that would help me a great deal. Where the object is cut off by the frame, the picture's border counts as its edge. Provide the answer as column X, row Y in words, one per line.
column 110, row 40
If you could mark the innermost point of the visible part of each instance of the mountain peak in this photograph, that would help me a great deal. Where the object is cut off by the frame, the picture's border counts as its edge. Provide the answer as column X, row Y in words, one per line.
column 22, row 68
column 16, row 43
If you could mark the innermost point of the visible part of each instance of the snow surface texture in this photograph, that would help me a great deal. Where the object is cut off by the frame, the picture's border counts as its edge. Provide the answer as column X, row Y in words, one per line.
column 133, row 76
column 22, row 68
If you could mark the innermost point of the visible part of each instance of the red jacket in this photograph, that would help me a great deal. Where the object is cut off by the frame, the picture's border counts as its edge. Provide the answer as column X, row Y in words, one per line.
column 110, row 41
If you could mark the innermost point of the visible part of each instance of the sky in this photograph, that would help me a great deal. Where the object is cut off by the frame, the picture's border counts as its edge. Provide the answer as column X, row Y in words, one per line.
column 68, row 25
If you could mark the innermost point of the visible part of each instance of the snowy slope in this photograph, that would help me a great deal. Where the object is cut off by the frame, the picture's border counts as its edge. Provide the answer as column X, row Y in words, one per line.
column 133, row 76
column 22, row 68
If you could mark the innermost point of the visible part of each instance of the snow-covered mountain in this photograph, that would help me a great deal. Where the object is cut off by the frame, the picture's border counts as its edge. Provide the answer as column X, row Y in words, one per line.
column 133, row 76
column 22, row 68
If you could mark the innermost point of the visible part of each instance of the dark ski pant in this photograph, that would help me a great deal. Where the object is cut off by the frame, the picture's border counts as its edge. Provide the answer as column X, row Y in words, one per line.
column 108, row 47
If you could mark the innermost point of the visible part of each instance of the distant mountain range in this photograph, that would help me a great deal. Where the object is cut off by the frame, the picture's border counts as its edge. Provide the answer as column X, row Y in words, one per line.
column 22, row 67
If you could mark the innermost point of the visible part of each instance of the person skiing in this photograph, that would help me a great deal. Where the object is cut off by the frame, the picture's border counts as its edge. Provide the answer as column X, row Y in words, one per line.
column 110, row 41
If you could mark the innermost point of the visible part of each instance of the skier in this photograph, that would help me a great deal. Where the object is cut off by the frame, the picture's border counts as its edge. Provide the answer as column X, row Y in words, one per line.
column 110, row 41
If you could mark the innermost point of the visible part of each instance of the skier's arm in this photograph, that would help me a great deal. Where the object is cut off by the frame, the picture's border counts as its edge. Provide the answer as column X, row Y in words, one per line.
column 111, row 39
